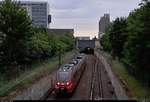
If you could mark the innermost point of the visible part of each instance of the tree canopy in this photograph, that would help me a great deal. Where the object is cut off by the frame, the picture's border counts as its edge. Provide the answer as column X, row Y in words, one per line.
column 21, row 43
column 15, row 29
column 129, row 39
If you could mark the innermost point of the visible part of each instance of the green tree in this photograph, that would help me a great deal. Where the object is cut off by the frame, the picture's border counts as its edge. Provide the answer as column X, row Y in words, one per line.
column 15, row 25
column 68, row 40
column 115, row 37
column 118, row 36
column 105, row 41
column 137, row 47
column 44, row 44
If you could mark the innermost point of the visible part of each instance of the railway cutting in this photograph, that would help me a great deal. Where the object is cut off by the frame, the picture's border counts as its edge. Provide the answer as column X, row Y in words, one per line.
column 90, row 80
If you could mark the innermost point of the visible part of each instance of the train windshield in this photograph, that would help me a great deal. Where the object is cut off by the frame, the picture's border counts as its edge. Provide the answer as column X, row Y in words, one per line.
column 63, row 76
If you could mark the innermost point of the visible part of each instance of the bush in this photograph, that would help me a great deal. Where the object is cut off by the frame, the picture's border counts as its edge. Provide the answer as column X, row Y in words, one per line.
column 137, row 47
column 22, row 44
column 129, row 39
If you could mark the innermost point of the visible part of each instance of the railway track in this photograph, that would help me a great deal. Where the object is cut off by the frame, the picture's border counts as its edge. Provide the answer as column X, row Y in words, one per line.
column 50, row 94
column 93, row 81
column 47, row 94
column 100, row 82
column 94, row 89
column 96, row 79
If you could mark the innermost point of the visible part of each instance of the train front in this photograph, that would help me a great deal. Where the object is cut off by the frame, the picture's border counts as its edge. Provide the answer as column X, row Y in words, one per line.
column 63, row 83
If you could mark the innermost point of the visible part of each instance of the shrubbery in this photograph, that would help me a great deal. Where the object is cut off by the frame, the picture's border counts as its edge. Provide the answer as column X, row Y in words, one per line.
column 21, row 43
column 129, row 40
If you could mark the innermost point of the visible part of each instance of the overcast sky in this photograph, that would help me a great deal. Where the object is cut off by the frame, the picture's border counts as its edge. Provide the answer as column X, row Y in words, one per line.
column 84, row 15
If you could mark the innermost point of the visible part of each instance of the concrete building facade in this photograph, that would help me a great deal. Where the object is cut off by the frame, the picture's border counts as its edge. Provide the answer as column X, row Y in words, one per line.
column 38, row 12
column 103, row 24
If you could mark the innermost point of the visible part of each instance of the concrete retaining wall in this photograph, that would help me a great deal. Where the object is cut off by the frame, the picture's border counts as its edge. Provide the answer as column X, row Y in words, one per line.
column 119, row 91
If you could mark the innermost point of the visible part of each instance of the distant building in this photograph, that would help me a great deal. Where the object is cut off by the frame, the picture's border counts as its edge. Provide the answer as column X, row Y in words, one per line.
column 38, row 12
column 83, row 38
column 81, row 45
column 61, row 31
column 103, row 24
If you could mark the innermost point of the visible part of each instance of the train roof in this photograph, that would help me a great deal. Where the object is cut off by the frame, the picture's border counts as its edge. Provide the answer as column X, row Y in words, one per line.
column 66, row 67
column 71, row 65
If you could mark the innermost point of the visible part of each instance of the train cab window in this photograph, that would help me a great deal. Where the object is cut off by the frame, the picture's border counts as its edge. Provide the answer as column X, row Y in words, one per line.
column 63, row 76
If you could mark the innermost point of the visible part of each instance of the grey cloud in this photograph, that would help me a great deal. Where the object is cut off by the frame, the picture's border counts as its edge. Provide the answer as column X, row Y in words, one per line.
column 89, row 9
column 66, row 4
column 84, row 15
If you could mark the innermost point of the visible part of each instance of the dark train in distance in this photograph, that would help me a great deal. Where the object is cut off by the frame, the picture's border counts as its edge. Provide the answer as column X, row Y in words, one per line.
column 68, row 76
column 85, row 46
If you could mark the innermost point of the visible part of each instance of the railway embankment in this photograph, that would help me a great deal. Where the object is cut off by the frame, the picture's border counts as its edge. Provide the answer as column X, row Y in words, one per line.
column 94, row 83
column 119, row 91
column 37, row 82
column 129, row 83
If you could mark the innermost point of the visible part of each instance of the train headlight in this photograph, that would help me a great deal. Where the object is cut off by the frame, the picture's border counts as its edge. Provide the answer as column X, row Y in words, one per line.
column 58, row 83
column 67, row 83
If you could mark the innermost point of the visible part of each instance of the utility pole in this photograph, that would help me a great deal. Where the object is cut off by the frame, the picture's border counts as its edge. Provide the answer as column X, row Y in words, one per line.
column 59, row 56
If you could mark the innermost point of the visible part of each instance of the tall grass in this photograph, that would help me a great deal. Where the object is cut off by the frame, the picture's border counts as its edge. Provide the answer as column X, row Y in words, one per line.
column 134, row 86
column 29, row 76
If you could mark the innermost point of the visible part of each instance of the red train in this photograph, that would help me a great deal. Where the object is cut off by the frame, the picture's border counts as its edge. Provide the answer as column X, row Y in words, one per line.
column 68, row 76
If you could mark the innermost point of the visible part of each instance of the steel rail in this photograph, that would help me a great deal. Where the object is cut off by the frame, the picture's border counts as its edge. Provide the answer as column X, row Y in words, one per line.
column 100, row 82
column 47, row 94
column 93, row 81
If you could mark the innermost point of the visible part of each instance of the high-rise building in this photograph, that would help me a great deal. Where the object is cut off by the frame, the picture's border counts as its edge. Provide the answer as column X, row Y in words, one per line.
column 38, row 12
column 83, row 38
column 103, row 24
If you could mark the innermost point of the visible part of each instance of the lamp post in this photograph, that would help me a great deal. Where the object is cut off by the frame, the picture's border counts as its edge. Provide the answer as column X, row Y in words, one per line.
column 59, row 56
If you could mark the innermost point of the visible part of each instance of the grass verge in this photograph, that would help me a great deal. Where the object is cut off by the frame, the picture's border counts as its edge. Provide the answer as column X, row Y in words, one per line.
column 28, row 77
column 132, row 85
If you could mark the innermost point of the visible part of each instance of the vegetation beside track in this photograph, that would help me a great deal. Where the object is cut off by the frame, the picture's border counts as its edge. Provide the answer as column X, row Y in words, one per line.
column 128, row 39
column 36, row 72
column 23, row 45
column 132, row 86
